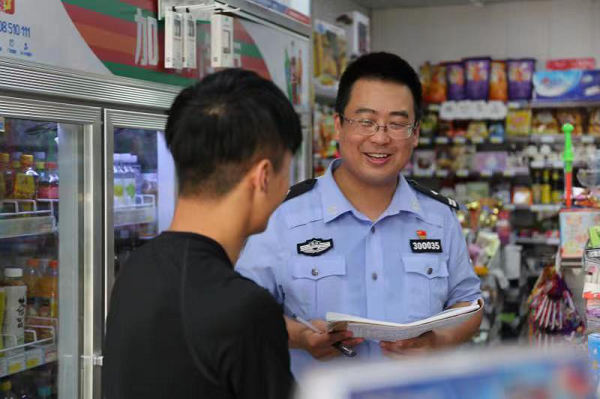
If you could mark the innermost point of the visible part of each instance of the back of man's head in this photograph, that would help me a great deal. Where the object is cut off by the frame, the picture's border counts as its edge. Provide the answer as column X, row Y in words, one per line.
column 218, row 128
column 382, row 66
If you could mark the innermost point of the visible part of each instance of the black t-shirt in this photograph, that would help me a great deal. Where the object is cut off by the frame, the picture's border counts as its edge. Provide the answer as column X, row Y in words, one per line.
column 183, row 324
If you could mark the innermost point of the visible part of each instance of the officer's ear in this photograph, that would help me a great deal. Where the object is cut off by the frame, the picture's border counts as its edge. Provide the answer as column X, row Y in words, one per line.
column 416, row 134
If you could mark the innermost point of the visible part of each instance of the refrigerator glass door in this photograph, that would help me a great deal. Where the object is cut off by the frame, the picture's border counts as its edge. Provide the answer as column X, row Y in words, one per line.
column 140, row 185
column 44, row 250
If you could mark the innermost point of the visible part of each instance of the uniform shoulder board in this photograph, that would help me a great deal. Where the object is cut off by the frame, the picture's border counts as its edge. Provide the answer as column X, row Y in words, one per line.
column 434, row 194
column 300, row 188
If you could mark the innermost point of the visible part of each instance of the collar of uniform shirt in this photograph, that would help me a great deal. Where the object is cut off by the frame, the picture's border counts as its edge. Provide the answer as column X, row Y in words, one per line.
column 334, row 203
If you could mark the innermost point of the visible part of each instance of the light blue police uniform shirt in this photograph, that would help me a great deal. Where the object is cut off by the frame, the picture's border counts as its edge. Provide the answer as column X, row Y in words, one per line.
column 370, row 270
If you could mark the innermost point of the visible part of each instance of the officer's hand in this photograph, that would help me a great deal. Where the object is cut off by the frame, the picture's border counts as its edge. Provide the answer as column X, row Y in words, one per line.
column 320, row 345
column 420, row 344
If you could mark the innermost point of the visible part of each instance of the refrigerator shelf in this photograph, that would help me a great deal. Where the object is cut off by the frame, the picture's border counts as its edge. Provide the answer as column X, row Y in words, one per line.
column 25, row 224
column 144, row 211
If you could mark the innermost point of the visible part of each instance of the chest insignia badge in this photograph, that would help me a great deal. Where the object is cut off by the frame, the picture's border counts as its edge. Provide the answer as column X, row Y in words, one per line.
column 422, row 234
column 314, row 246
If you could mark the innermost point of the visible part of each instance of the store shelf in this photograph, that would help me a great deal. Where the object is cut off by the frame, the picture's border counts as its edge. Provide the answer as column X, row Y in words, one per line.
column 535, row 207
column 325, row 94
column 22, row 223
column 538, row 241
column 564, row 104
column 143, row 212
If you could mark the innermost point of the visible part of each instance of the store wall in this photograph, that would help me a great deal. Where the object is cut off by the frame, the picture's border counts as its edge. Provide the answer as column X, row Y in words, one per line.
column 329, row 10
column 538, row 29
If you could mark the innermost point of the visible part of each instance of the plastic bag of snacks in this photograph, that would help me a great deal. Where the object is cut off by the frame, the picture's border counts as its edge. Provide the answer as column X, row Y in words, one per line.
column 498, row 81
column 437, row 88
column 478, row 78
column 455, row 78
column 425, row 75
column 520, row 75
column 518, row 122
column 572, row 116
column 544, row 122
column 594, row 122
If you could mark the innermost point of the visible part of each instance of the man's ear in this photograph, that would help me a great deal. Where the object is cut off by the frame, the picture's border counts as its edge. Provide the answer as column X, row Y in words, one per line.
column 262, row 174
column 416, row 135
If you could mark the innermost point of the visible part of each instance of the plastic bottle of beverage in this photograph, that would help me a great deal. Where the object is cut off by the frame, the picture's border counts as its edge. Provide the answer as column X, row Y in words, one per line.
column 119, row 187
column 7, row 392
column 47, row 292
column 3, row 168
column 16, row 304
column 137, row 170
column 53, row 180
column 11, row 177
column 128, row 179
column 43, row 186
column 44, row 392
column 31, row 278
column 26, row 182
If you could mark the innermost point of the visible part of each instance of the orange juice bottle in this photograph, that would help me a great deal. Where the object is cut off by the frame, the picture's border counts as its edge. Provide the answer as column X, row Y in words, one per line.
column 47, row 291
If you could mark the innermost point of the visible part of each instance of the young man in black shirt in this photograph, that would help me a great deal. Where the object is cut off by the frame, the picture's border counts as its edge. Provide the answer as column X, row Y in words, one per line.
column 182, row 323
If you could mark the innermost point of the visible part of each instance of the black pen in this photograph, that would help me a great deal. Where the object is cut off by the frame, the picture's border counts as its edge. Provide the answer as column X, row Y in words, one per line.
column 338, row 345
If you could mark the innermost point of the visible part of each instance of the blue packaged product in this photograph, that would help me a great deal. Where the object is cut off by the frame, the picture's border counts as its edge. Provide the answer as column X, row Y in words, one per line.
column 570, row 85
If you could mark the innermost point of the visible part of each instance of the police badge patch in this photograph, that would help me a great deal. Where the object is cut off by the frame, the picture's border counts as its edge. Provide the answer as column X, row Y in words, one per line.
column 314, row 246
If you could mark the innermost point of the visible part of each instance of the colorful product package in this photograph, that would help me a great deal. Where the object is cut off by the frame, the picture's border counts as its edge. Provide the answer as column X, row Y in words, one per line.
column 424, row 162
column 520, row 77
column 572, row 116
column 594, row 122
column 518, row 122
column 426, row 75
column 455, row 78
column 429, row 125
column 571, row 85
column 544, row 122
column 477, row 129
column 498, row 81
column 437, row 89
column 478, row 78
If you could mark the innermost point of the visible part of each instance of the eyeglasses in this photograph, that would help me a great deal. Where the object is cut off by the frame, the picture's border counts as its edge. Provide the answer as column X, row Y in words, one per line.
column 395, row 130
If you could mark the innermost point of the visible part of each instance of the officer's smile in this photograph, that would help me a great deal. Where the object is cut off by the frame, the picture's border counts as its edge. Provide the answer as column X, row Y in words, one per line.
column 377, row 158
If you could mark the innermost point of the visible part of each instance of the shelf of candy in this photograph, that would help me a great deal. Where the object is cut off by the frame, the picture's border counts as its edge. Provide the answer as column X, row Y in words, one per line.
column 553, row 316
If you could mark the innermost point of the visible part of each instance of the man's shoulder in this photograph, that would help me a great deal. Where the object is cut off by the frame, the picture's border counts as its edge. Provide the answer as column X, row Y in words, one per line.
column 429, row 194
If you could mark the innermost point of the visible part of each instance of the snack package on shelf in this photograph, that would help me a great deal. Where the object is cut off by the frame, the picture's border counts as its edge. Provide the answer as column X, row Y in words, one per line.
column 518, row 122
column 544, row 122
column 444, row 159
column 426, row 76
column 477, row 84
column 522, row 195
column 462, row 157
column 477, row 129
column 520, row 78
column 572, row 116
column 594, row 122
column 429, row 125
column 496, row 130
column 591, row 287
column 455, row 78
column 437, row 88
column 478, row 190
column 491, row 161
column 424, row 162
column 498, row 81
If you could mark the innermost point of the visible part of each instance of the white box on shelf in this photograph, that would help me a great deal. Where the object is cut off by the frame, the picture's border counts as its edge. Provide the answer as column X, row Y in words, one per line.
column 173, row 40
column 189, row 42
column 221, row 41
column 357, row 27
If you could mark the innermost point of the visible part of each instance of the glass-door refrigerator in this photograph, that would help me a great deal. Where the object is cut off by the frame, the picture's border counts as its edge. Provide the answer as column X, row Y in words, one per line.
column 49, row 208
column 140, row 185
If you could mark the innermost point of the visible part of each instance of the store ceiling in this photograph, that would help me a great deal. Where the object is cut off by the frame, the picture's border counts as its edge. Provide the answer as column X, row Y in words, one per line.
column 380, row 4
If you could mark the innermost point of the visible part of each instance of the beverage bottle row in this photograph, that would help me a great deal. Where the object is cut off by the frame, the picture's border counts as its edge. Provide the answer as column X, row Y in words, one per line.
column 22, row 178
column 127, row 179
column 38, row 383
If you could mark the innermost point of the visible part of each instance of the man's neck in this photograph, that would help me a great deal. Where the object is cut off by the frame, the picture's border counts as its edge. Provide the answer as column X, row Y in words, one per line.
column 370, row 200
column 214, row 219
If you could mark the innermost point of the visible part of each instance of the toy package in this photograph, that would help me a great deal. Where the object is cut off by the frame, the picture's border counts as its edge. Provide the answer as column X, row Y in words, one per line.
column 498, row 81
column 424, row 163
column 544, row 122
column 518, row 122
column 520, row 76
column 478, row 78
column 455, row 77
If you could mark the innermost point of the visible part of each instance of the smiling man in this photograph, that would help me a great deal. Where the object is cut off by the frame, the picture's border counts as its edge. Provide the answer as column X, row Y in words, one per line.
column 362, row 239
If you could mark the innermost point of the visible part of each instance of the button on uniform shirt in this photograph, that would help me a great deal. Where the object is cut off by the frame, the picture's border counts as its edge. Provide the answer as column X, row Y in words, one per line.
column 319, row 254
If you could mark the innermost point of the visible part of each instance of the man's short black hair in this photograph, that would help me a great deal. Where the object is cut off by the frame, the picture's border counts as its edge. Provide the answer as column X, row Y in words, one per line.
column 379, row 66
column 220, row 126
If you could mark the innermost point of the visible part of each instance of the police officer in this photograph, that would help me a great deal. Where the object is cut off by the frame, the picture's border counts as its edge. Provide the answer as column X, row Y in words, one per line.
column 362, row 239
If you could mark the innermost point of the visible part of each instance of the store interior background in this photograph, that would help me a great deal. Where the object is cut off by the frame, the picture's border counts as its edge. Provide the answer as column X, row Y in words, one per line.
column 444, row 30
